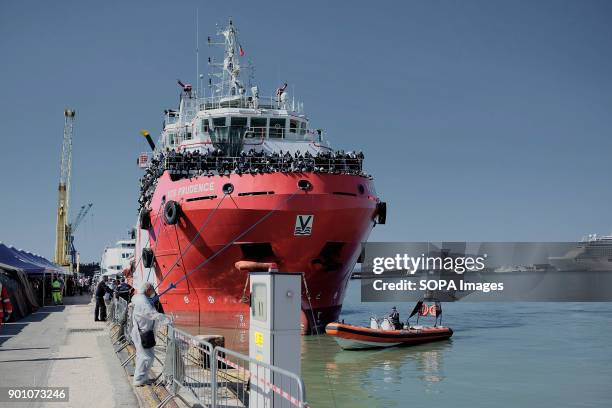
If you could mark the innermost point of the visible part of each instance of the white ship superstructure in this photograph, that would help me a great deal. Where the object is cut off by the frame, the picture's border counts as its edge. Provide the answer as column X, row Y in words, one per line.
column 117, row 258
column 593, row 253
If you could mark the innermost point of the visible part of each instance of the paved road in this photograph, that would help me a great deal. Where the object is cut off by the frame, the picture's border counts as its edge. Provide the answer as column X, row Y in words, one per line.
column 61, row 346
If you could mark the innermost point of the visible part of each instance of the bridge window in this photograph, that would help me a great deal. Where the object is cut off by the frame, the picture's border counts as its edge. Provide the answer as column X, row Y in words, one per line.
column 219, row 121
column 293, row 126
column 258, row 128
column 204, row 126
column 277, row 128
column 239, row 121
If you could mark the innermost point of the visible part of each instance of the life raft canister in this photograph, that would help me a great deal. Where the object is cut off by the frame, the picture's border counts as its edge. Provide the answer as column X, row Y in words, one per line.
column 171, row 212
column 145, row 219
column 147, row 257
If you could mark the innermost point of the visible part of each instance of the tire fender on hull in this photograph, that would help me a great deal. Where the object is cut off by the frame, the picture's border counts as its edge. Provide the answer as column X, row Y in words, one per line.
column 172, row 211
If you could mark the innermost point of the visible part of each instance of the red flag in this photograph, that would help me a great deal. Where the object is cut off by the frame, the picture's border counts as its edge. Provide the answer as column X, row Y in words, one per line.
column 241, row 50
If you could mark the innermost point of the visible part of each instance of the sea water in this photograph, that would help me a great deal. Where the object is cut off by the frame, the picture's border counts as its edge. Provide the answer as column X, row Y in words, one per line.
column 501, row 355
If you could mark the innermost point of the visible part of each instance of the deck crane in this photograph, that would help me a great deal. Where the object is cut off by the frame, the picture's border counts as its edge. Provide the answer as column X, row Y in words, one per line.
column 73, row 227
column 62, row 232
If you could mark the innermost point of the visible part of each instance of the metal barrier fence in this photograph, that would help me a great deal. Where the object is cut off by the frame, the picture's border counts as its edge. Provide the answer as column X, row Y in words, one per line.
column 213, row 376
column 253, row 383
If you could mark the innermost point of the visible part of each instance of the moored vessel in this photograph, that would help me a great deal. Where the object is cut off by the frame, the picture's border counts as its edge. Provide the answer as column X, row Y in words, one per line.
column 239, row 177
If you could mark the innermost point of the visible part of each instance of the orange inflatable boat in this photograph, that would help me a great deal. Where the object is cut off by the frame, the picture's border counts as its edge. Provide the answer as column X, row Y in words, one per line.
column 358, row 337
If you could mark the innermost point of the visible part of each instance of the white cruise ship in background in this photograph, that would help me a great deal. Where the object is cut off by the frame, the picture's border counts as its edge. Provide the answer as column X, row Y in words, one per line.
column 593, row 253
column 117, row 258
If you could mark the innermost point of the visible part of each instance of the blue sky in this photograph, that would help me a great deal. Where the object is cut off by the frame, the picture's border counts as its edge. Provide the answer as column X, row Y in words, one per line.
column 481, row 120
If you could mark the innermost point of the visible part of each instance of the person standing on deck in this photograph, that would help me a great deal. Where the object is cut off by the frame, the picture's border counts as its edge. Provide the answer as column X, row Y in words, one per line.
column 6, row 307
column 144, row 317
column 394, row 317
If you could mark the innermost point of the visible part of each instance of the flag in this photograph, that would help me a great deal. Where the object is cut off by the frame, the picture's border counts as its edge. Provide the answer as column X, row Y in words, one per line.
column 241, row 50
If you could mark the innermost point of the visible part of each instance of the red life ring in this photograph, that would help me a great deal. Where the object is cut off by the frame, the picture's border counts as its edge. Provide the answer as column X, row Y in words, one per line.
column 432, row 310
column 424, row 310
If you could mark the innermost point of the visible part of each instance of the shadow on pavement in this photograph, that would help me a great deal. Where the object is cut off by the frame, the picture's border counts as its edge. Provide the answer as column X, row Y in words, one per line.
column 44, row 359
column 11, row 329
column 24, row 348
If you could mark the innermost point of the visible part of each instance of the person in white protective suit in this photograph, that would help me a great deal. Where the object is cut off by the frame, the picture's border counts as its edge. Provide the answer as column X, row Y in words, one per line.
column 144, row 317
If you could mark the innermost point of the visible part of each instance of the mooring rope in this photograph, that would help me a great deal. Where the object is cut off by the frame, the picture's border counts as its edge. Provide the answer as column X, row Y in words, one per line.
column 229, row 244
column 198, row 233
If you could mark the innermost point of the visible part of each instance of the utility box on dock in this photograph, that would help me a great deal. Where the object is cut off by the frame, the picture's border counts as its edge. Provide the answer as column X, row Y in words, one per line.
column 274, row 332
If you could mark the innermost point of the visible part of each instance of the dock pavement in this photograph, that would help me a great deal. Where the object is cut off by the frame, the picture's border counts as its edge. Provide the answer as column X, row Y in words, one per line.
column 62, row 346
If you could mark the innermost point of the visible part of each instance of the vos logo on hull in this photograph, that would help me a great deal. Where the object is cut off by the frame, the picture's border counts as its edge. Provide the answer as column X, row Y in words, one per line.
column 303, row 225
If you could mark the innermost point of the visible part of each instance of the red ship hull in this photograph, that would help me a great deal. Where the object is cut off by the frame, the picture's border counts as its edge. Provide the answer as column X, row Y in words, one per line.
column 257, row 222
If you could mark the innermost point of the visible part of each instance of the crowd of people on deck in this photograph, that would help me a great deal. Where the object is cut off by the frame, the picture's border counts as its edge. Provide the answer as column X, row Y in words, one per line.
column 215, row 162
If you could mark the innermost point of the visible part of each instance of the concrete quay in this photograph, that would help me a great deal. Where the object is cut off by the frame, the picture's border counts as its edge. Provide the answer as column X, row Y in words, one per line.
column 62, row 346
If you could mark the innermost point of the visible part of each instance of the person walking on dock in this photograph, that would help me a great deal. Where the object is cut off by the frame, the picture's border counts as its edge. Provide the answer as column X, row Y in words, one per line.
column 144, row 316
column 6, row 307
column 101, row 290
column 56, row 291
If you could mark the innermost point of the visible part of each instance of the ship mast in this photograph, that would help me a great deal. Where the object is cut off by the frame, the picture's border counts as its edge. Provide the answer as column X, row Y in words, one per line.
column 229, row 83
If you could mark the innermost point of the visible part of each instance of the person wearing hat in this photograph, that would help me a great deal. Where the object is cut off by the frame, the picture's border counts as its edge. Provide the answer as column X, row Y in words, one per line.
column 394, row 317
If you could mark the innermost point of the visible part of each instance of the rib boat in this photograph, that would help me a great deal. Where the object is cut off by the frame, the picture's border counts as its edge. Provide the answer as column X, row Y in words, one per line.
column 351, row 337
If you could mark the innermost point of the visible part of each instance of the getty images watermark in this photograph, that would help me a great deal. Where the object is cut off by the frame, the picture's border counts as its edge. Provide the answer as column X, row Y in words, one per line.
column 484, row 271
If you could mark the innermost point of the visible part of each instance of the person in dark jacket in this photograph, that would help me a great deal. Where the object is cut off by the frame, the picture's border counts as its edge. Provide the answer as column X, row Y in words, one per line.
column 394, row 317
column 101, row 290
column 123, row 290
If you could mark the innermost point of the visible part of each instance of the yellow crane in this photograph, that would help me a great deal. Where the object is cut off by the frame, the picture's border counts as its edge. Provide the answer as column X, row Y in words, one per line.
column 62, row 232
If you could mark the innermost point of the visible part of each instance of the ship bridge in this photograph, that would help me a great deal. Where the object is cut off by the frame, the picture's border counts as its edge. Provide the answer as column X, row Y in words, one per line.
column 235, row 119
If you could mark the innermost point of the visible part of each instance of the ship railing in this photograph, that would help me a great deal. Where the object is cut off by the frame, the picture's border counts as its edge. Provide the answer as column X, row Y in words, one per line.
column 186, row 165
column 245, row 102
column 198, row 372
column 299, row 134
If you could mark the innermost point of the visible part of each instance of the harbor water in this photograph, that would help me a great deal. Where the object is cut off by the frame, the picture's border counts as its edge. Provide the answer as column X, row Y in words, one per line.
column 501, row 355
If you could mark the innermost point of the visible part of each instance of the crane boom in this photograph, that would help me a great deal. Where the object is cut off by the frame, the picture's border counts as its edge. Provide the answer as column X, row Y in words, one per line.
column 62, row 233
column 80, row 216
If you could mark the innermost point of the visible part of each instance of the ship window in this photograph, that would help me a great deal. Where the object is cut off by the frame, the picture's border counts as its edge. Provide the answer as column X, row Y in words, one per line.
column 277, row 128
column 188, row 136
column 258, row 127
column 171, row 138
column 219, row 121
column 293, row 126
column 238, row 121
column 204, row 126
